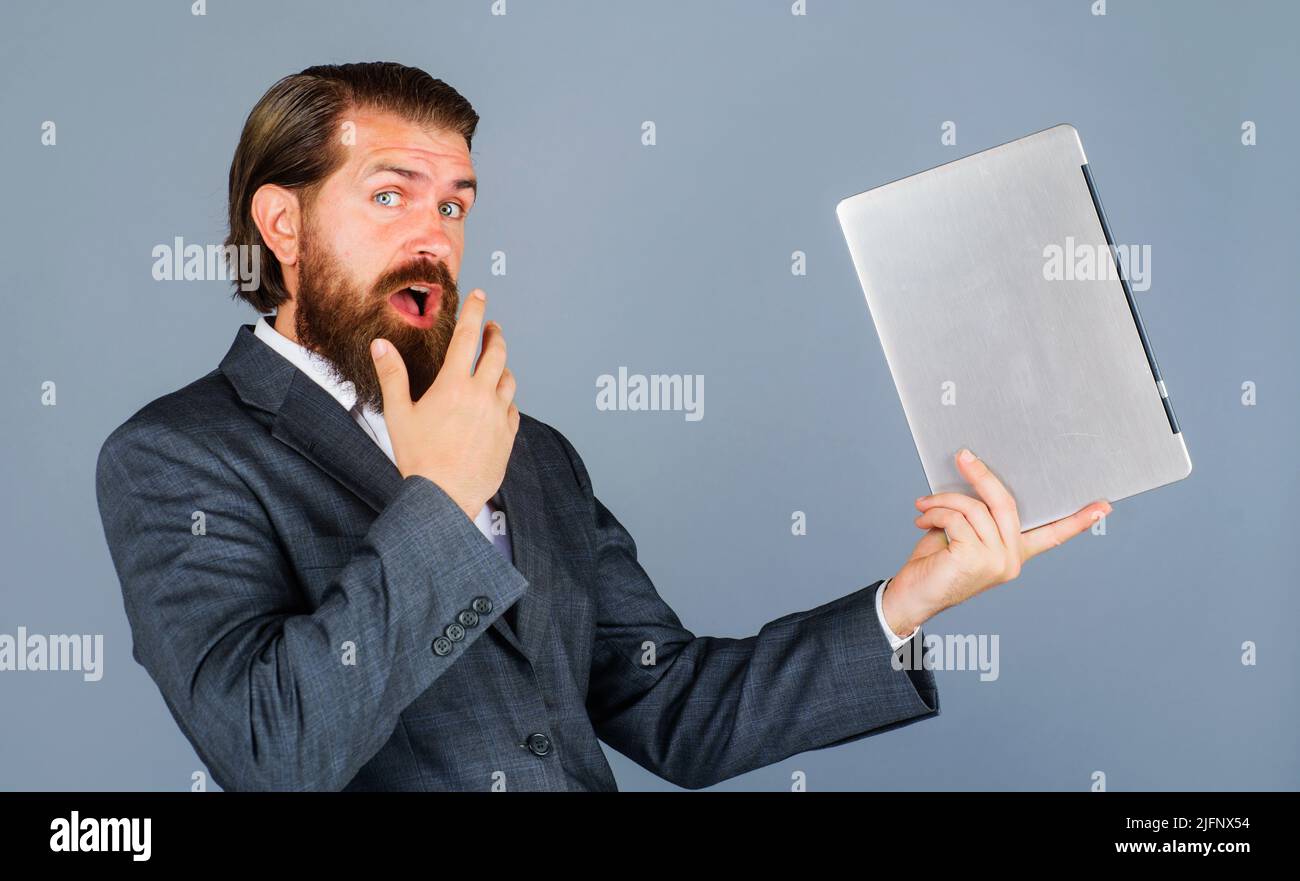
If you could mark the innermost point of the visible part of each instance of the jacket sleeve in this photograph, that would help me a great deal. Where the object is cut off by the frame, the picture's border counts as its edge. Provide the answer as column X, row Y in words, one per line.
column 702, row 709
column 255, row 679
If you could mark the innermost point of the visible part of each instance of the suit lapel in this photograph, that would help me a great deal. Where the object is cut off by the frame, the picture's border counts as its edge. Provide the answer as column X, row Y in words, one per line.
column 520, row 497
column 309, row 420
column 316, row 426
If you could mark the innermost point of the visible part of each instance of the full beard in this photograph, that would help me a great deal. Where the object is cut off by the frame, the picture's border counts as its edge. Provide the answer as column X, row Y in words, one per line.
column 338, row 321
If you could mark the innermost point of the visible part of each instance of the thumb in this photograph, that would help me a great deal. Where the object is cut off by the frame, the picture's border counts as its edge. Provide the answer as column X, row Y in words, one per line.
column 391, row 370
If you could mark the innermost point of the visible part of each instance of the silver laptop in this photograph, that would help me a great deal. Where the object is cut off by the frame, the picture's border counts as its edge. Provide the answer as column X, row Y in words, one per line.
column 1010, row 327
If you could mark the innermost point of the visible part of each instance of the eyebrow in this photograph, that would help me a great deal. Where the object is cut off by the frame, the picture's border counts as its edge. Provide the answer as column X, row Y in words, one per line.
column 467, row 183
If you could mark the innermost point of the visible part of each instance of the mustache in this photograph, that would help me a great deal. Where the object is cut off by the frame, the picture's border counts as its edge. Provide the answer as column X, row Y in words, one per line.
column 416, row 273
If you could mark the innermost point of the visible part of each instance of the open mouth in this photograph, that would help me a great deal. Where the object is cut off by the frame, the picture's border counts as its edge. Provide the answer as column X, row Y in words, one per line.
column 417, row 303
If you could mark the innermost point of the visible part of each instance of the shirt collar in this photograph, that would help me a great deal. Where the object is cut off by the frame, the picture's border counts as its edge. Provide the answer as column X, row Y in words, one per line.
column 320, row 370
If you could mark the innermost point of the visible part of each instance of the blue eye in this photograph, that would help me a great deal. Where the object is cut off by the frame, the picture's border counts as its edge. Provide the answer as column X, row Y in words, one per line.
column 393, row 200
column 459, row 210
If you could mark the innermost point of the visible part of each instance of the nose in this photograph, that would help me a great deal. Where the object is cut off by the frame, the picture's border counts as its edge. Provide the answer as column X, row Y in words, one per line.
column 429, row 239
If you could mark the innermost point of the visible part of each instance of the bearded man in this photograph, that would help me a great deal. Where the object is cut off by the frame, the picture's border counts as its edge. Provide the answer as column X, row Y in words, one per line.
column 402, row 582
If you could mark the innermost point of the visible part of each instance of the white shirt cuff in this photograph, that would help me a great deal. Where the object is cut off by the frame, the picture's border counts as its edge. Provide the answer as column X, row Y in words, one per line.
column 895, row 641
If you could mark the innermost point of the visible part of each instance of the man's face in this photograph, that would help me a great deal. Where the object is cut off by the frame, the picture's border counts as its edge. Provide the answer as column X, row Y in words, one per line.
column 381, row 249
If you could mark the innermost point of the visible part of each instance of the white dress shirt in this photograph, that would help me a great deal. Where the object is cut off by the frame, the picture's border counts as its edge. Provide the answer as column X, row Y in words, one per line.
column 372, row 423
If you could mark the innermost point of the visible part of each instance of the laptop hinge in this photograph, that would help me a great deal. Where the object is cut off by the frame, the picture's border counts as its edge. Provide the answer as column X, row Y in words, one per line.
column 1132, row 304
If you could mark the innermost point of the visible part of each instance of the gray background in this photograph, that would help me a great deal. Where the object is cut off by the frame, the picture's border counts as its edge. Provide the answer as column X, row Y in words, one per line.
column 1118, row 653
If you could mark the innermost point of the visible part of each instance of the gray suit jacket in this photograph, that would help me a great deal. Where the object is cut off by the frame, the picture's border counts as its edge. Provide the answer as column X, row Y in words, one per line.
column 326, row 624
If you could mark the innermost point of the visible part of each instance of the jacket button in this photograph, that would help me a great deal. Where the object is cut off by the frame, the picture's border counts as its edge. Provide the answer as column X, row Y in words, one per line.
column 455, row 632
column 482, row 605
column 468, row 618
column 442, row 646
column 538, row 744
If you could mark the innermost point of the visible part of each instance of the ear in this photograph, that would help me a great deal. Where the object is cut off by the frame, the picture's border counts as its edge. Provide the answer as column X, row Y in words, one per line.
column 278, row 215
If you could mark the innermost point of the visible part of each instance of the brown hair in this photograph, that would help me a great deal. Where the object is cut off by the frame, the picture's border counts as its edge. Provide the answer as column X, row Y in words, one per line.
column 291, row 139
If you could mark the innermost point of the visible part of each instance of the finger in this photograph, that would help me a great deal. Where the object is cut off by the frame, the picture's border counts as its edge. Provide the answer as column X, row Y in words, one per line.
column 393, row 383
column 492, row 360
column 955, row 522
column 506, row 386
column 513, row 416
column 932, row 542
column 977, row 513
column 1035, row 541
column 1000, row 503
column 469, row 326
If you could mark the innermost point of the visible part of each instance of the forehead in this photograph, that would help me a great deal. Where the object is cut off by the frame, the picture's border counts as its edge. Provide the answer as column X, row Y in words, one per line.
column 384, row 137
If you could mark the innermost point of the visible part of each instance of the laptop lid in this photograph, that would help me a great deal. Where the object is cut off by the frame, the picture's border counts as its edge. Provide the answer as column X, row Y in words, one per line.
column 1009, row 327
